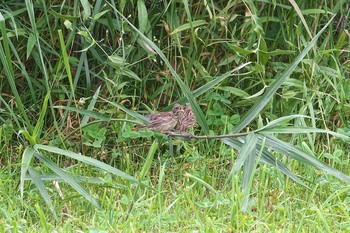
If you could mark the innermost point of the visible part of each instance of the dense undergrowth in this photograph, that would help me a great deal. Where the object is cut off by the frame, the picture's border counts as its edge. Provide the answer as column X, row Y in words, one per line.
column 76, row 76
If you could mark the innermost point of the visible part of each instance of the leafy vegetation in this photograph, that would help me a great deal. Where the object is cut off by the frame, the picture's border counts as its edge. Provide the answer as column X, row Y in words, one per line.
column 270, row 75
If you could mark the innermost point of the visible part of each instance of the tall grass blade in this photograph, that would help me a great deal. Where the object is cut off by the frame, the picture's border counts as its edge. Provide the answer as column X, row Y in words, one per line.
column 189, row 96
column 86, row 160
column 5, row 57
column 26, row 159
column 87, row 113
column 39, row 184
column 302, row 130
column 67, row 178
column 91, row 106
column 261, row 103
column 249, row 167
column 201, row 181
column 300, row 14
column 128, row 111
column 40, row 121
column 267, row 158
column 248, row 147
column 297, row 154
column 204, row 89
column 66, row 62
column 147, row 164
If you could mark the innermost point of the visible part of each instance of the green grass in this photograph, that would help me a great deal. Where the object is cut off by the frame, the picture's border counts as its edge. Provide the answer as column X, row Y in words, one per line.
column 77, row 77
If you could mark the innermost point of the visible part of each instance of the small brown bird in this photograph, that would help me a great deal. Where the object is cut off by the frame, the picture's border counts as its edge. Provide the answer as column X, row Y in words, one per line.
column 163, row 121
column 187, row 119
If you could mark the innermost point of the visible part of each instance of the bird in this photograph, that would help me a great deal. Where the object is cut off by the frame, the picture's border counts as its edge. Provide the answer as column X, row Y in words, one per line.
column 187, row 119
column 163, row 121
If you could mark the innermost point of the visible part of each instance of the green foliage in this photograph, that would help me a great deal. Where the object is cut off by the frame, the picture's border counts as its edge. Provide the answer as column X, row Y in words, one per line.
column 78, row 76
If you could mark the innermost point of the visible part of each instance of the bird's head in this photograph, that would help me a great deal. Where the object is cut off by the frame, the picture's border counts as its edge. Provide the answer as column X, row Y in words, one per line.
column 177, row 109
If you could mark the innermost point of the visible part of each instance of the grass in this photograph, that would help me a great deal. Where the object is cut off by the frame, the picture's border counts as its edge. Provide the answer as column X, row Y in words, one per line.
column 77, row 77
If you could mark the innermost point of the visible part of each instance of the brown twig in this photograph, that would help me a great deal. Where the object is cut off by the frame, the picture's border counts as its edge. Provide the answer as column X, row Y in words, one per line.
column 187, row 135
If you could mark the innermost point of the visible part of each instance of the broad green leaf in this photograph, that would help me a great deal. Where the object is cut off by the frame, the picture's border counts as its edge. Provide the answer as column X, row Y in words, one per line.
column 235, row 91
column 40, row 121
column 118, row 60
column 301, row 16
column 187, row 26
column 314, row 11
column 142, row 15
column 129, row 73
column 282, row 121
column 340, row 43
column 86, row 8
column 66, row 61
column 277, row 52
column 26, row 159
column 61, row 16
column 100, row 14
column 147, row 164
column 262, row 55
column 239, row 50
column 30, row 44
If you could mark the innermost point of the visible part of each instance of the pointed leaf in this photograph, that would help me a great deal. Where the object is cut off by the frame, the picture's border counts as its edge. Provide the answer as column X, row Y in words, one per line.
column 41, row 188
column 297, row 154
column 189, row 96
column 67, row 178
column 248, row 169
column 86, row 160
column 26, row 159
column 248, row 146
column 259, row 105
column 91, row 106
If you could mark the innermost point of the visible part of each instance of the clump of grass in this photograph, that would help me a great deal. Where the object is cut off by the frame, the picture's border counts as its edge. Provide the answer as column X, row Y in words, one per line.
column 79, row 75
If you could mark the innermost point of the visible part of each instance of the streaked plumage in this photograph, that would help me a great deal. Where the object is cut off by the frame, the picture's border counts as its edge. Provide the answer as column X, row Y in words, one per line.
column 163, row 121
column 187, row 119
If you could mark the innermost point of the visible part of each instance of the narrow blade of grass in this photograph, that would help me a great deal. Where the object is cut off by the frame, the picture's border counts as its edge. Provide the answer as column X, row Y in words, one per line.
column 86, row 160
column 40, row 121
column 267, row 158
column 248, row 146
column 297, row 154
column 39, row 184
column 149, row 159
column 189, row 96
column 67, row 178
column 85, row 112
column 259, row 105
column 26, row 159
column 91, row 106
column 5, row 58
column 249, row 167
column 302, row 130
column 202, row 182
